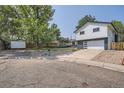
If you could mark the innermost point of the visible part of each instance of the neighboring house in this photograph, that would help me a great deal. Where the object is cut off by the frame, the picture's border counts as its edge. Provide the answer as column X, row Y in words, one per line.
column 54, row 43
column 95, row 35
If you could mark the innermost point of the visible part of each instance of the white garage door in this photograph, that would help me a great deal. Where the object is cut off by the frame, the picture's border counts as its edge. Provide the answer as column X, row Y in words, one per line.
column 18, row 44
column 96, row 44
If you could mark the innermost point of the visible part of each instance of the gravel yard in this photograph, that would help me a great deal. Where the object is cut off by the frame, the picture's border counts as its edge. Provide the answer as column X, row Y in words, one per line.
column 110, row 56
column 30, row 54
column 37, row 69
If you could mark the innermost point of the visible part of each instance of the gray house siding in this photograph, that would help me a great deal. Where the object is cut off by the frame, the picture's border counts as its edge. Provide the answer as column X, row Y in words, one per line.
column 95, row 39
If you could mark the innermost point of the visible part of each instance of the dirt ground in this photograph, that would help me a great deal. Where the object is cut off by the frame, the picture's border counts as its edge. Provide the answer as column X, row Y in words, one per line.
column 37, row 69
column 110, row 56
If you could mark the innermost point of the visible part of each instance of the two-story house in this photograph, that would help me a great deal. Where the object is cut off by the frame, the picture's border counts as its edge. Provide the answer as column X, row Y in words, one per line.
column 95, row 35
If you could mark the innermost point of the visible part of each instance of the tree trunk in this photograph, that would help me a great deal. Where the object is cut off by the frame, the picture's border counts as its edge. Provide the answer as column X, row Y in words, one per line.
column 5, row 46
column 37, row 38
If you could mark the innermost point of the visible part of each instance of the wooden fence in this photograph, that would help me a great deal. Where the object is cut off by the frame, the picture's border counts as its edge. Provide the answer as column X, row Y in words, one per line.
column 117, row 45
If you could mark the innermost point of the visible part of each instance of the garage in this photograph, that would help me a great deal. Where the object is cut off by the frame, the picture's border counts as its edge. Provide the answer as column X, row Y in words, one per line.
column 95, row 44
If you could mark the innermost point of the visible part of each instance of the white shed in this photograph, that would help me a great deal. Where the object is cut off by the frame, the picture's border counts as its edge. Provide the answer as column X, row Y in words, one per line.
column 18, row 44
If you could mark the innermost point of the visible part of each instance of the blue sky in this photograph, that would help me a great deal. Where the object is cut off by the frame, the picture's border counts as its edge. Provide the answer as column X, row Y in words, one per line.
column 67, row 16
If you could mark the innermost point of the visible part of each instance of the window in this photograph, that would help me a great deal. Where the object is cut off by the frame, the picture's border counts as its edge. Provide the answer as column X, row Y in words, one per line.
column 96, row 29
column 82, row 32
column 85, row 44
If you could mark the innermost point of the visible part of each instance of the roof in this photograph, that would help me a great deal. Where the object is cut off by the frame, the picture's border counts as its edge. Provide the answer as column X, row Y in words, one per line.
column 98, row 22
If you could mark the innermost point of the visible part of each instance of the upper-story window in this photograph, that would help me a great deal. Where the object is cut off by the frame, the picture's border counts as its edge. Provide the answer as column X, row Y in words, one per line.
column 82, row 32
column 96, row 29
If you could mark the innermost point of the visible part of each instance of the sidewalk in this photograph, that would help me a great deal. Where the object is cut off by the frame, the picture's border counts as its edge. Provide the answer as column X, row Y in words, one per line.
column 115, row 67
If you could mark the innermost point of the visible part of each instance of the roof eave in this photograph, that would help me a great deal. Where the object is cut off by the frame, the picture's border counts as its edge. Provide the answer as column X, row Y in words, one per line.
column 93, row 22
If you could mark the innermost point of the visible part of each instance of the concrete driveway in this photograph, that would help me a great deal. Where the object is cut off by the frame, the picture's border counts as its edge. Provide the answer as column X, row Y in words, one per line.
column 86, row 54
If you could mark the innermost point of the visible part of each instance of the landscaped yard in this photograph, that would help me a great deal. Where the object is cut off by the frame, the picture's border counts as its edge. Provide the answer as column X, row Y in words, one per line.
column 34, row 68
column 35, row 53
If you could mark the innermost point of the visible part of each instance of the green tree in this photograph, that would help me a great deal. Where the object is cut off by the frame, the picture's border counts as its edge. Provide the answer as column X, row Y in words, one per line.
column 85, row 19
column 30, row 23
column 55, row 31
column 119, row 26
